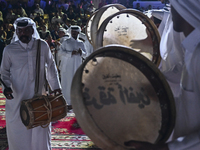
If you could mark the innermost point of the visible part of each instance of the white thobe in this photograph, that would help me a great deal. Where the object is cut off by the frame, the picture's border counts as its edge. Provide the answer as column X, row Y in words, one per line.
column 58, row 57
column 88, row 46
column 18, row 71
column 39, row 10
column 69, row 64
column 187, row 127
column 160, row 14
column 172, row 55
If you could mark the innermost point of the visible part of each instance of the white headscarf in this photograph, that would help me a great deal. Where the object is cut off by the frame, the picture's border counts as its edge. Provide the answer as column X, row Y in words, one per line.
column 189, row 10
column 30, row 22
column 63, row 30
column 75, row 28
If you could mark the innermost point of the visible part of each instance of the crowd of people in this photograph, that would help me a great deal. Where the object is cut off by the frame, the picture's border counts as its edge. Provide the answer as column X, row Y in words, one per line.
column 48, row 19
column 49, row 16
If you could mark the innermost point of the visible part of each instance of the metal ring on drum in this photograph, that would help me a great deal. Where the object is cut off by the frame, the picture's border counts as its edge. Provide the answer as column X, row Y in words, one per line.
column 131, row 28
column 100, row 16
column 118, row 95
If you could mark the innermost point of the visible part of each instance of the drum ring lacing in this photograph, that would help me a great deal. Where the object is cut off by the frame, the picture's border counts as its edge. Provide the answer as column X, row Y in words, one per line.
column 49, row 113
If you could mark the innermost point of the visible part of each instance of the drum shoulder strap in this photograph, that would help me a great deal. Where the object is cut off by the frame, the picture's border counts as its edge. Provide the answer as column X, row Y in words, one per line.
column 37, row 68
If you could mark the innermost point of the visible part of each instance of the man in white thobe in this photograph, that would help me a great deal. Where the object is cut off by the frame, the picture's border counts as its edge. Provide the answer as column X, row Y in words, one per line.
column 18, row 71
column 186, row 19
column 71, row 52
column 63, row 35
column 171, row 50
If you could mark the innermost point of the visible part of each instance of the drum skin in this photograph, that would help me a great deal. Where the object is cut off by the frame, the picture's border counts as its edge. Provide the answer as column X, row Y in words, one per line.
column 119, row 95
column 133, row 29
column 42, row 110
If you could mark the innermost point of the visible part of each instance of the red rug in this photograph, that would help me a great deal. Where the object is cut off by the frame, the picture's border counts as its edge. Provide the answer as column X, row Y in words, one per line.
column 66, row 133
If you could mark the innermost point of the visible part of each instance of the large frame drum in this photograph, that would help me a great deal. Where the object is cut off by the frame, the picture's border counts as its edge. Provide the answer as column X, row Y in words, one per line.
column 100, row 16
column 131, row 28
column 118, row 95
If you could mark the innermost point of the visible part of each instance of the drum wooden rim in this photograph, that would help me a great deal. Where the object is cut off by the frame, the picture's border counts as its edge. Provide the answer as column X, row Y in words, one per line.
column 88, row 32
column 85, row 119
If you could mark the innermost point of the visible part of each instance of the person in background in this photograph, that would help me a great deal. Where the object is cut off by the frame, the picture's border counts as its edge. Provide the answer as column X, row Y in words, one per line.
column 18, row 69
column 51, row 42
column 66, row 5
column 38, row 18
column 56, row 18
column 1, row 18
column 2, row 45
column 9, row 31
column 70, row 14
column 32, row 14
column 44, row 33
column 88, row 46
column 43, row 4
column 63, row 34
column 66, row 23
column 54, row 30
column 39, row 10
column 71, row 52
column 21, row 11
column 10, row 15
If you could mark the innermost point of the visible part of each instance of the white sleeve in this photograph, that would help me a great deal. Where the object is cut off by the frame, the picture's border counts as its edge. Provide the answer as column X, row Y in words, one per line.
column 192, row 140
column 157, row 13
column 84, row 53
column 64, row 50
column 189, row 142
column 42, row 12
column 52, row 73
column 5, row 68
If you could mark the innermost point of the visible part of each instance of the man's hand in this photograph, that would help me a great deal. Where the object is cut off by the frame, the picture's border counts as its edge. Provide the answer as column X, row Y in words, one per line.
column 56, row 92
column 57, row 43
column 74, row 52
column 80, row 51
column 145, row 146
column 8, row 93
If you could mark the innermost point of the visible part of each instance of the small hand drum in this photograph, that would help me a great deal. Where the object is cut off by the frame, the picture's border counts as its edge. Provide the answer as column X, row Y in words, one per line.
column 40, row 111
column 118, row 95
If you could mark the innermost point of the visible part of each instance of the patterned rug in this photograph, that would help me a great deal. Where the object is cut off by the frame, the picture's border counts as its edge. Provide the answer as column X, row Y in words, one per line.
column 66, row 133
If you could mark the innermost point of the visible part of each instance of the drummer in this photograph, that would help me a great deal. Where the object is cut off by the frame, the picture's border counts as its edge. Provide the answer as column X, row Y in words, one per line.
column 186, row 136
column 18, row 72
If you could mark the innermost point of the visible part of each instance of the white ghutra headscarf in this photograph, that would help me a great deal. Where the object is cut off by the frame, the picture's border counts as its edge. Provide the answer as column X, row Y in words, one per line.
column 23, row 22
column 189, row 10
column 75, row 28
